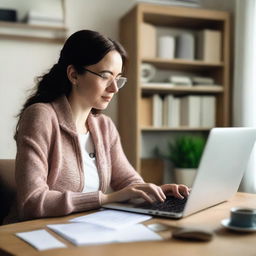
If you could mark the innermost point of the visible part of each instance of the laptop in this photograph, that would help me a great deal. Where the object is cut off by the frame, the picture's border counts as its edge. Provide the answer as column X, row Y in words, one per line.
column 219, row 174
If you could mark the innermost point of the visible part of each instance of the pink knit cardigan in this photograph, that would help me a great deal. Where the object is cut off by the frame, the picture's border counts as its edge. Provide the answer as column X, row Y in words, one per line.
column 49, row 170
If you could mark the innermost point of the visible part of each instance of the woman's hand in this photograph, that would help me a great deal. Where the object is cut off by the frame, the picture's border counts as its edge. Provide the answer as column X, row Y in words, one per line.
column 148, row 191
column 179, row 191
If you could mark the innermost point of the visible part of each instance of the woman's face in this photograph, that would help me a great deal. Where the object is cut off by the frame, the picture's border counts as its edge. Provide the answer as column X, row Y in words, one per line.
column 93, row 91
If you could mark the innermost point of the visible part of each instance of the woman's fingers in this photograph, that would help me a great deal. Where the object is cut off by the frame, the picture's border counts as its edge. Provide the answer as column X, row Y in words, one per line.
column 151, row 190
column 184, row 190
column 178, row 191
column 157, row 192
column 142, row 194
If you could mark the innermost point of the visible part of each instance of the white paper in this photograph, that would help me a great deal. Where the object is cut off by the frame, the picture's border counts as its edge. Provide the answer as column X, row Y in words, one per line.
column 41, row 239
column 112, row 219
column 136, row 233
column 87, row 233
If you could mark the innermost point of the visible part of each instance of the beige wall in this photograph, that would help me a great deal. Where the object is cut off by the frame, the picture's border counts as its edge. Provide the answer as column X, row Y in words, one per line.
column 21, row 62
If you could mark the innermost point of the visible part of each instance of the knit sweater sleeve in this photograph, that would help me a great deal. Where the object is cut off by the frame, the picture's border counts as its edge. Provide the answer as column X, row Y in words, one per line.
column 123, row 174
column 34, row 146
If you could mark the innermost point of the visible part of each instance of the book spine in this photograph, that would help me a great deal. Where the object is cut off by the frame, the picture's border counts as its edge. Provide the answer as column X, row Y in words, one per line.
column 157, row 111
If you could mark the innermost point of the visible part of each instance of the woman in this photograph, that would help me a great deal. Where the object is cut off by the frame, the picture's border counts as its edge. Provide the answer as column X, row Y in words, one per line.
column 68, row 154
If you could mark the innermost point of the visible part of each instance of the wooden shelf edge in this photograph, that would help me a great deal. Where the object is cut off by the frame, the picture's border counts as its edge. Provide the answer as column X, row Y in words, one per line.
column 159, row 129
column 17, row 25
column 182, row 62
column 168, row 88
column 180, row 11
column 32, row 38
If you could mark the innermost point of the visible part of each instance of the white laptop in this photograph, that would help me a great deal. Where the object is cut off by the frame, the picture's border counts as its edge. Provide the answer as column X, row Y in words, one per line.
column 220, row 172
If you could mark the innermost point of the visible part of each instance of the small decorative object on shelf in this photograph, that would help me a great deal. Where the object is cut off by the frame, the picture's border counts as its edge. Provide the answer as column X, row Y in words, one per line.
column 9, row 15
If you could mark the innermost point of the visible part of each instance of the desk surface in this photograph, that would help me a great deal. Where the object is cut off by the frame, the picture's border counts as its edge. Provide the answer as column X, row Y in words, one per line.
column 225, row 242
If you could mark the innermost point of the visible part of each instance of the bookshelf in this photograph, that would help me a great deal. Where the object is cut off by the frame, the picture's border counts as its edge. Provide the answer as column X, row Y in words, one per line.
column 131, row 36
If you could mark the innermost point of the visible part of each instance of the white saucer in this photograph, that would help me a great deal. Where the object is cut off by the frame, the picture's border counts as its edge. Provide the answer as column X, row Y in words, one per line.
column 226, row 224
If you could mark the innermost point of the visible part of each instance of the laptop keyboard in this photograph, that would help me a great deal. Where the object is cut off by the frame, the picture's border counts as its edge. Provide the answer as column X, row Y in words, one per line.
column 171, row 204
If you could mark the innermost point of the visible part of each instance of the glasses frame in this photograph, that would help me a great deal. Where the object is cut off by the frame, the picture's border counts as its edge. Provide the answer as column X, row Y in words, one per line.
column 102, row 76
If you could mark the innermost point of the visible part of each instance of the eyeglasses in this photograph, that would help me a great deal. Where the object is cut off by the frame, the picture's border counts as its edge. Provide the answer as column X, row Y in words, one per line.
column 120, row 81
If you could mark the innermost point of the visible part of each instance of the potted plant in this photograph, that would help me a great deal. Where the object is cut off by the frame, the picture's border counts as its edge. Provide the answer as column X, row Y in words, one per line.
column 185, row 154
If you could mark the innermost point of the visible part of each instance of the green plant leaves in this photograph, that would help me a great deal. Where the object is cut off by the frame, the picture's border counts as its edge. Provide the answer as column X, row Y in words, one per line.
column 186, row 151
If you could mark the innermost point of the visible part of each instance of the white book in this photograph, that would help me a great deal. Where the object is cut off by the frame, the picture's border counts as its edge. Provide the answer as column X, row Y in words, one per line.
column 175, row 120
column 190, row 111
column 157, row 111
column 54, row 16
column 171, row 111
column 35, row 21
column 208, row 111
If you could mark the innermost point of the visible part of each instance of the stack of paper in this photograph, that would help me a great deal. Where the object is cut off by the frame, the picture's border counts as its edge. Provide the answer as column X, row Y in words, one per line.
column 105, row 227
column 112, row 219
column 40, row 239
column 87, row 233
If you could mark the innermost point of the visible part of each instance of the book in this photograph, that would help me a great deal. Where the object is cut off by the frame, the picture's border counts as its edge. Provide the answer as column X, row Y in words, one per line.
column 171, row 111
column 209, row 45
column 146, row 111
column 190, row 111
column 208, row 111
column 45, row 19
column 148, row 41
column 198, row 80
column 180, row 80
column 157, row 110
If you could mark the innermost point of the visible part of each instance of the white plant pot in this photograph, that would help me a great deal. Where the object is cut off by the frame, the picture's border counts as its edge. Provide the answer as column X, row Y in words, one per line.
column 185, row 176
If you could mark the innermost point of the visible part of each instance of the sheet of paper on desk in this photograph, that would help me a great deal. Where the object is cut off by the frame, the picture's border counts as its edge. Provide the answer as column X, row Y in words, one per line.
column 41, row 239
column 87, row 233
column 112, row 219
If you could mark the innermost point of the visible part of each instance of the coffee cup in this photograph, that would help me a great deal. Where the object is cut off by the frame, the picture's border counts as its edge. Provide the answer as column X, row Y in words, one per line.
column 243, row 217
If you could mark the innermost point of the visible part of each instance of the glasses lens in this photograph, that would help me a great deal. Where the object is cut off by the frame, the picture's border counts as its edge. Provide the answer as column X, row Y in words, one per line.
column 121, row 82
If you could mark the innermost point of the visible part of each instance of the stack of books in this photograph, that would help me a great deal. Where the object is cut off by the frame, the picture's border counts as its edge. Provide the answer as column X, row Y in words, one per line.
column 191, row 111
column 44, row 19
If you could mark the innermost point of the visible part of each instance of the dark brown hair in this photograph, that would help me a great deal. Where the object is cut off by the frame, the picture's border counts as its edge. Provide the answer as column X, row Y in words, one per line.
column 81, row 49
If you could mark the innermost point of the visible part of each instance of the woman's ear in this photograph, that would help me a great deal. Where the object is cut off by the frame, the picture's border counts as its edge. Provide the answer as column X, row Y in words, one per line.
column 72, row 74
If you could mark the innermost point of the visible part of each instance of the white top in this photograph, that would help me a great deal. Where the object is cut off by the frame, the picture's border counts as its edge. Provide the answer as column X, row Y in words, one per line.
column 91, row 176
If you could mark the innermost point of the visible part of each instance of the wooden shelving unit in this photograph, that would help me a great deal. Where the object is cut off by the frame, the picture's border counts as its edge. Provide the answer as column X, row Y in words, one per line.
column 130, row 96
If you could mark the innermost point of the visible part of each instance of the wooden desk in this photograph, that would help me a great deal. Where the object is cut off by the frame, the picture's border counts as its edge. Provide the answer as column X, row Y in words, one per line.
column 225, row 242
